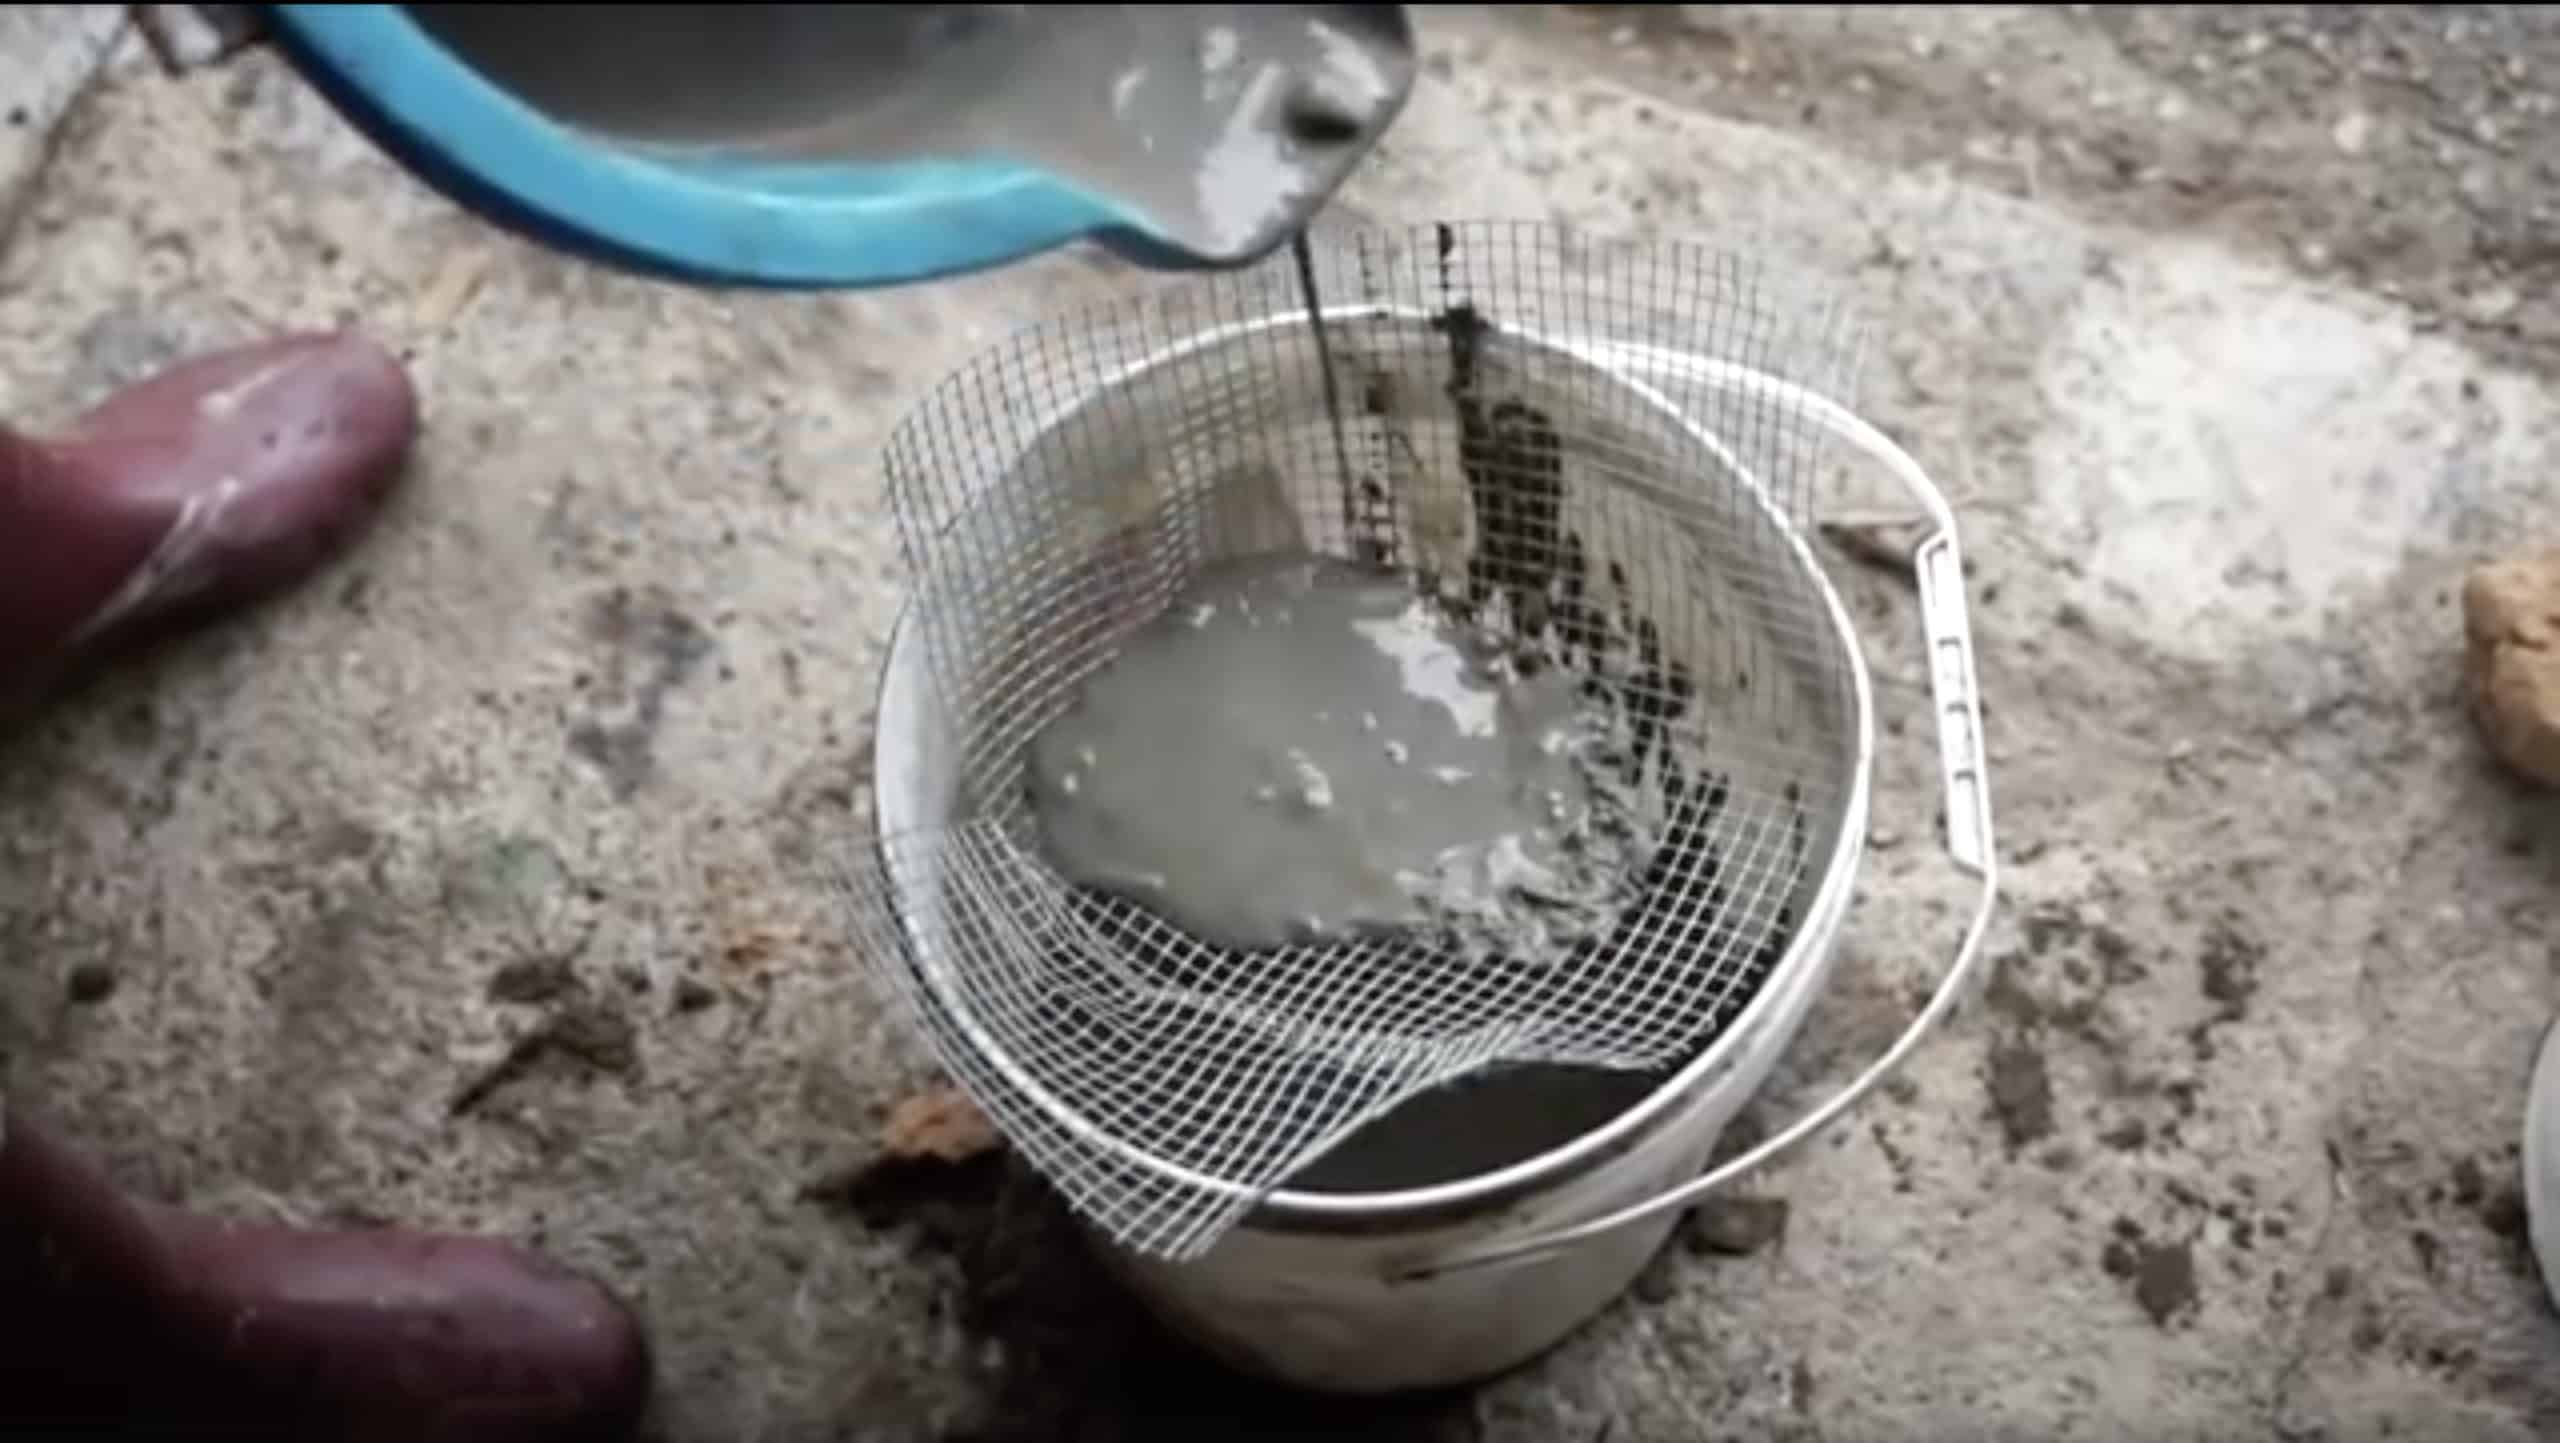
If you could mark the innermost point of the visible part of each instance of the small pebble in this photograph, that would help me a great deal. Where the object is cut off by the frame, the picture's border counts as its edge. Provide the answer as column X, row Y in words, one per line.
column 92, row 982
column 596, row 1033
column 1735, row 1227
column 1656, row 1283
column 531, row 980
column 693, row 995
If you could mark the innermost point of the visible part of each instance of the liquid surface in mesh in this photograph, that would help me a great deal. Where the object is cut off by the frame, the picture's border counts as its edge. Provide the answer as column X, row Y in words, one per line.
column 1305, row 750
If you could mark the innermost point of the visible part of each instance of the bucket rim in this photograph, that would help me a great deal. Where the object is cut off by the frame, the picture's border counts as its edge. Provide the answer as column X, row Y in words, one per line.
column 904, row 670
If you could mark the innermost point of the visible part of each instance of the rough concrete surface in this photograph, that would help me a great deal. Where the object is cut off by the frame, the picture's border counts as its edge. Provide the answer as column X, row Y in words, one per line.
column 477, row 885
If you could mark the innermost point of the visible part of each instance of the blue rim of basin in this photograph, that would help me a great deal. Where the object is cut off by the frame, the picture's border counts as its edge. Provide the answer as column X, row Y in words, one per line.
column 695, row 217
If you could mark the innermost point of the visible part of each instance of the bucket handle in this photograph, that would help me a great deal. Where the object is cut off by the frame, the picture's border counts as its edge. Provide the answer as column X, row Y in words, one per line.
column 1938, row 566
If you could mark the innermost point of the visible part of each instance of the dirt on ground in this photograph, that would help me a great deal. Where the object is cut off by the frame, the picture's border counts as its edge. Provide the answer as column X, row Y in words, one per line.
column 2409, row 150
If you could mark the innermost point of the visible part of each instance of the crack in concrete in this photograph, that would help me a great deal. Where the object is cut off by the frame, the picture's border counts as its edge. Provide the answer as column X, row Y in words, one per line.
column 2297, row 1356
column 2302, row 1326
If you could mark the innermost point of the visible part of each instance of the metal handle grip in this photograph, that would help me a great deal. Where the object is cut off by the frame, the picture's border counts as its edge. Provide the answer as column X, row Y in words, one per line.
column 1964, row 774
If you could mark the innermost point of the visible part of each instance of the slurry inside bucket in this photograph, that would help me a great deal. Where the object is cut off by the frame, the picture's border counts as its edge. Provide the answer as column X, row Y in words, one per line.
column 1476, row 1126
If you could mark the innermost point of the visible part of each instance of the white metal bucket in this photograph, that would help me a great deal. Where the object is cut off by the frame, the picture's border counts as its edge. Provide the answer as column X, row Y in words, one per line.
column 1369, row 1289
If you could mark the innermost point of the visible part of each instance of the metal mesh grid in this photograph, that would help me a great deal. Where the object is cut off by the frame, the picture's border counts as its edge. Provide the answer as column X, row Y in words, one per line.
column 1510, row 439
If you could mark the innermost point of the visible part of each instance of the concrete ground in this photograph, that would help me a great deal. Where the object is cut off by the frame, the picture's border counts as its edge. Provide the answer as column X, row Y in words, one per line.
column 2234, row 331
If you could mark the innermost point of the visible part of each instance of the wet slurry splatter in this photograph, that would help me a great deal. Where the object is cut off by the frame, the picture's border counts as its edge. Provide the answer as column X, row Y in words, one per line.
column 1512, row 455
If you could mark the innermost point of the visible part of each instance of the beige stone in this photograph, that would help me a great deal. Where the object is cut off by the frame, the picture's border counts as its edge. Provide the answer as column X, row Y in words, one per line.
column 2511, row 615
column 942, row 1123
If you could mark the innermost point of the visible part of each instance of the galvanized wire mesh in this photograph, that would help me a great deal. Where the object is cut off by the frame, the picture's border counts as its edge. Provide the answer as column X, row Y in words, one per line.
column 1522, row 431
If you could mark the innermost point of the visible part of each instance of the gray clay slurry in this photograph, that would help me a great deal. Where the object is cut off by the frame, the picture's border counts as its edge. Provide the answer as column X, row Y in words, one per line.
column 1304, row 749
column 1219, row 128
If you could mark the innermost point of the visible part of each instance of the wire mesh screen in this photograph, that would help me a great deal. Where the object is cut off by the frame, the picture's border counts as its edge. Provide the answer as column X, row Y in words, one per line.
column 1513, row 420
